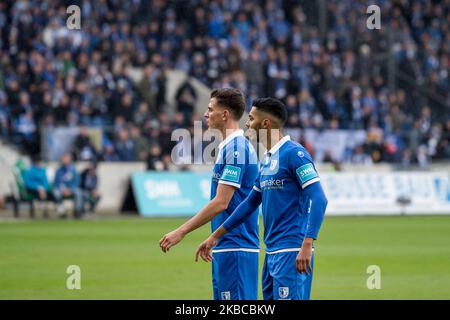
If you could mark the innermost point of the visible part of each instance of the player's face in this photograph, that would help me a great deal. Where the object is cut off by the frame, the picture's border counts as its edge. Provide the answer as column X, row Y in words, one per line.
column 214, row 115
column 254, row 122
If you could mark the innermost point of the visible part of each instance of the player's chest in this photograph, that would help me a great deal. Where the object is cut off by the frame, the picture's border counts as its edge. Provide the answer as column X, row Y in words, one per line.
column 274, row 174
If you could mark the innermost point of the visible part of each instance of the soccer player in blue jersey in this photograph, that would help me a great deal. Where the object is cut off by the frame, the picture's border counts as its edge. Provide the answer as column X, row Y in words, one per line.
column 235, row 263
column 293, row 207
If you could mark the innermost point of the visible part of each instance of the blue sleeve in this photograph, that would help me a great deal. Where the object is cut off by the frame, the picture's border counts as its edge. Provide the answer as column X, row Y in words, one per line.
column 35, row 178
column 257, row 185
column 302, row 167
column 28, row 179
column 45, row 180
column 243, row 211
column 76, row 178
column 316, row 209
column 235, row 160
column 58, row 178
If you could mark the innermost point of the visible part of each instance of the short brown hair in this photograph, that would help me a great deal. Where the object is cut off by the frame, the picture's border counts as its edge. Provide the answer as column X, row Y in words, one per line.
column 232, row 99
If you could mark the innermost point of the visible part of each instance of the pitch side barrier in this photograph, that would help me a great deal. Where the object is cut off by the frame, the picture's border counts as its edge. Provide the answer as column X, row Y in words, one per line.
column 349, row 193
column 357, row 190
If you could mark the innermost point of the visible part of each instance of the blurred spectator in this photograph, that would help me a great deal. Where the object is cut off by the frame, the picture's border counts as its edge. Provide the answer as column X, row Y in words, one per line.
column 125, row 109
column 165, row 137
column 373, row 145
column 142, row 115
column 359, row 157
column 67, row 186
column 186, row 98
column 254, row 69
column 125, row 147
column 4, row 122
column 443, row 148
column 109, row 153
column 148, row 87
column 154, row 158
column 84, row 150
column 89, row 187
column 26, row 134
column 36, row 182
column 140, row 142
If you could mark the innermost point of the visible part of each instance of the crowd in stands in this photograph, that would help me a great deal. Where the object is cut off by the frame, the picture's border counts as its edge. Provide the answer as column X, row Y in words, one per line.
column 330, row 70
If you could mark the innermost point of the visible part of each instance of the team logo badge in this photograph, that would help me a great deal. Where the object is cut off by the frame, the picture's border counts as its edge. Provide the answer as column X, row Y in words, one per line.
column 225, row 295
column 283, row 292
column 236, row 154
column 300, row 154
column 273, row 164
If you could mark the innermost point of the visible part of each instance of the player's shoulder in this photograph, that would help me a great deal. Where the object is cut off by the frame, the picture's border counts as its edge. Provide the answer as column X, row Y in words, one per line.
column 295, row 148
column 297, row 152
column 241, row 139
column 240, row 149
column 241, row 143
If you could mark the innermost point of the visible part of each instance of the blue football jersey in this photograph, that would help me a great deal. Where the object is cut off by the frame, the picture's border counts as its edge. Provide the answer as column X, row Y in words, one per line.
column 236, row 165
column 284, row 172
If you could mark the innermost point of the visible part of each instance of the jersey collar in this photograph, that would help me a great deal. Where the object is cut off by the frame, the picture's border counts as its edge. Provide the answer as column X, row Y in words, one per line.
column 235, row 134
column 278, row 145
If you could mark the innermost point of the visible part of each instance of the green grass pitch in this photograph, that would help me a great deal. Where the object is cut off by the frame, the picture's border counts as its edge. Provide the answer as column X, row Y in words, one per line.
column 121, row 259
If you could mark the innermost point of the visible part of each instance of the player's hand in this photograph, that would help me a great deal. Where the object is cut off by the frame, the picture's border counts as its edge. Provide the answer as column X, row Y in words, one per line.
column 170, row 239
column 303, row 260
column 204, row 249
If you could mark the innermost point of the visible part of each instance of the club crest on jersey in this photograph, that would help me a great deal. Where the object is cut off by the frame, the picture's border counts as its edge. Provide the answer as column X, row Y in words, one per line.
column 225, row 295
column 273, row 164
column 301, row 154
column 283, row 292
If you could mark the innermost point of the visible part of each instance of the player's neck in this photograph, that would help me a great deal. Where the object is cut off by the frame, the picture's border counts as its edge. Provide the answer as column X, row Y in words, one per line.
column 273, row 137
column 229, row 129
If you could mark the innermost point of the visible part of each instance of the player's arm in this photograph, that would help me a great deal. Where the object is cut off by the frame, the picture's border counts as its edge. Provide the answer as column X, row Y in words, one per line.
column 301, row 165
column 218, row 204
column 316, row 211
column 239, row 215
column 232, row 172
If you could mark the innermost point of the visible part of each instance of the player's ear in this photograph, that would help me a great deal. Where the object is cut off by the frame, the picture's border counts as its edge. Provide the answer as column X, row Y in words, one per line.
column 265, row 124
column 225, row 114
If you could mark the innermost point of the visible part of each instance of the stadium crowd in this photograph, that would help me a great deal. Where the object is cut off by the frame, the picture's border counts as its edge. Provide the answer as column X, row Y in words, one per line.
column 335, row 79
